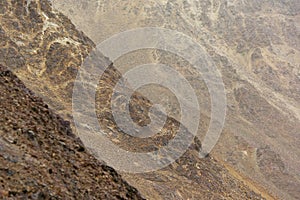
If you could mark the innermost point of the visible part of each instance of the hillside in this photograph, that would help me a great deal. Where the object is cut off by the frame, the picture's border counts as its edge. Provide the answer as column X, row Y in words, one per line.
column 255, row 45
column 45, row 50
column 40, row 156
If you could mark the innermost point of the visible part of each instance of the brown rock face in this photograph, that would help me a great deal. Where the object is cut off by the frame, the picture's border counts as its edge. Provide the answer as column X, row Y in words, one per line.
column 40, row 44
column 40, row 156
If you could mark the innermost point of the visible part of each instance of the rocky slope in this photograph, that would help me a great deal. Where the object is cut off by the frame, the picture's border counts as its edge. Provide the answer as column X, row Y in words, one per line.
column 45, row 50
column 40, row 156
column 255, row 44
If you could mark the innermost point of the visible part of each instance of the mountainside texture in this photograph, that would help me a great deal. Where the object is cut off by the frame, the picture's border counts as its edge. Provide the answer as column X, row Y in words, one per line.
column 42, row 159
column 40, row 156
column 45, row 50
column 255, row 44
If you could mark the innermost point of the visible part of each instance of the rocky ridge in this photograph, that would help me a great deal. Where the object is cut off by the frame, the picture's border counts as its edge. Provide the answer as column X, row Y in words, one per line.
column 40, row 156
